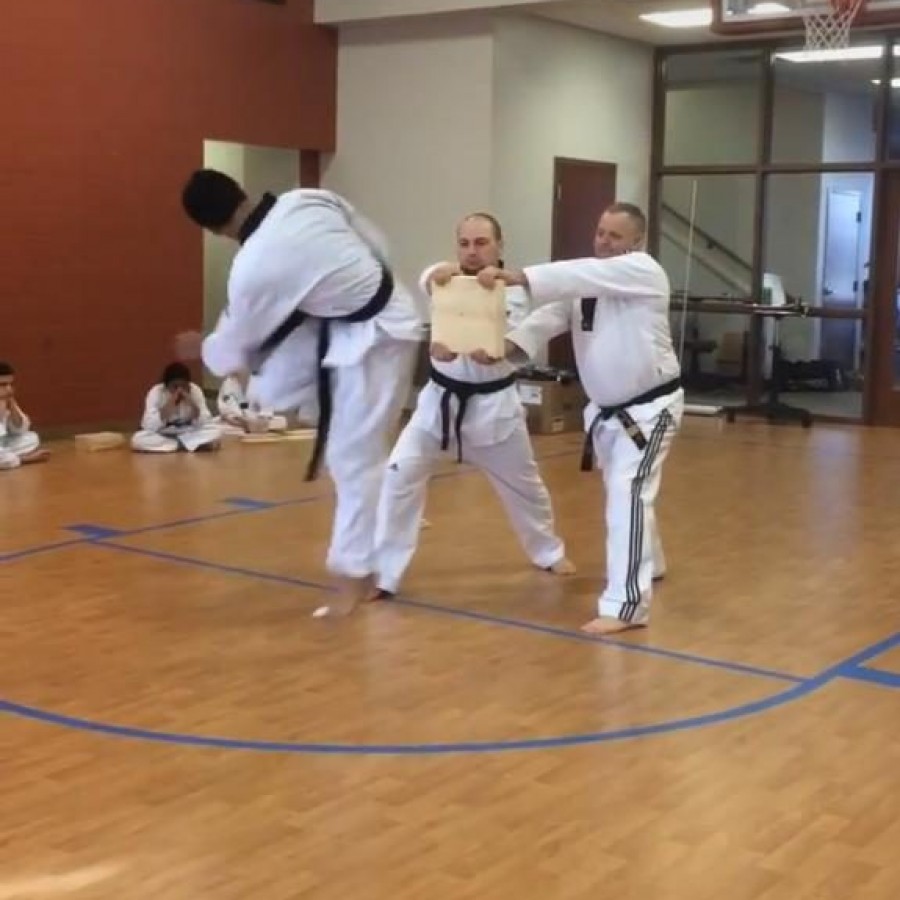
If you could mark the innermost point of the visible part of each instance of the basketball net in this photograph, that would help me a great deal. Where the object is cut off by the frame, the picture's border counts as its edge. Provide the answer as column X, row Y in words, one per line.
column 831, row 30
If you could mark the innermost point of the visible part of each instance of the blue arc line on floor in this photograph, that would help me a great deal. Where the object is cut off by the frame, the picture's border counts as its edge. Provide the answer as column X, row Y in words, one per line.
column 429, row 606
column 872, row 676
column 744, row 710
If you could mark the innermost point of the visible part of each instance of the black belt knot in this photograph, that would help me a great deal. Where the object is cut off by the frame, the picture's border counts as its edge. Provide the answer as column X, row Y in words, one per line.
column 620, row 411
column 463, row 391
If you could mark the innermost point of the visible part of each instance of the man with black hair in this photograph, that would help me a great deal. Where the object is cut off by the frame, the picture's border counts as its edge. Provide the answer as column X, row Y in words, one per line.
column 616, row 304
column 490, row 431
column 19, row 445
column 311, row 292
column 176, row 416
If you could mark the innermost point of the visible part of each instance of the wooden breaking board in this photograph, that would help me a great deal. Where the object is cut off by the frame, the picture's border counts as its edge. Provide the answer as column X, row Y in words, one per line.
column 467, row 317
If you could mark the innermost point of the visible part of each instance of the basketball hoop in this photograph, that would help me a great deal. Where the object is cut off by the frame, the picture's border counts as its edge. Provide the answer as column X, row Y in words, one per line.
column 830, row 30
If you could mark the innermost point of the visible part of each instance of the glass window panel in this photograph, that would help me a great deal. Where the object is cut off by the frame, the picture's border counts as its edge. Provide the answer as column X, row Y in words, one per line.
column 712, row 108
column 817, row 242
column 714, row 215
column 708, row 254
column 893, row 124
column 824, row 105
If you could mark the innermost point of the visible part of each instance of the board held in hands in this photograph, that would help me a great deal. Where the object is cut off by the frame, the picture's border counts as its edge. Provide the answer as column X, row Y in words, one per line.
column 466, row 317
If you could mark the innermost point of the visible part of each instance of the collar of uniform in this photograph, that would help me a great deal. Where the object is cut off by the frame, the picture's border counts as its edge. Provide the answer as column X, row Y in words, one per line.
column 255, row 219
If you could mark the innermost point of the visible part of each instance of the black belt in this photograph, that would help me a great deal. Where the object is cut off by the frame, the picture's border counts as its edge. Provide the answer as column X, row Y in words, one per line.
column 323, row 375
column 463, row 391
column 620, row 411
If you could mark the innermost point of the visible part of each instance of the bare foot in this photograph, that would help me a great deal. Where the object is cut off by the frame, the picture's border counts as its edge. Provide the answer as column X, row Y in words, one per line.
column 38, row 456
column 350, row 593
column 609, row 625
column 564, row 566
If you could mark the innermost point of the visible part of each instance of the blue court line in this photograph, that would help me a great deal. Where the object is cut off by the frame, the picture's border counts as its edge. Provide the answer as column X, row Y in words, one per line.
column 594, row 639
column 245, row 504
column 597, row 737
column 864, row 656
column 91, row 532
column 215, row 567
column 872, row 676
column 553, row 631
column 744, row 710
column 249, row 503
column 94, row 532
column 41, row 548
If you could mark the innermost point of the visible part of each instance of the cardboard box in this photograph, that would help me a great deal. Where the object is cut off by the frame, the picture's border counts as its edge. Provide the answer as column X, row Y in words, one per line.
column 553, row 407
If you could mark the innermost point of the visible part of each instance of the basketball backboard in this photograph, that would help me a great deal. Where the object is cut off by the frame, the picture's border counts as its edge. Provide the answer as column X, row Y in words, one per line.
column 748, row 17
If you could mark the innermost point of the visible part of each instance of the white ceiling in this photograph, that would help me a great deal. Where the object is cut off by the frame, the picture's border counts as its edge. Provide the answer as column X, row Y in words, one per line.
column 620, row 17
column 617, row 17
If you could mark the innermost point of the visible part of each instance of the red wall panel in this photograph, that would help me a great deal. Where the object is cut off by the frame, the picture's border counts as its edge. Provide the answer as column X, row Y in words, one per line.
column 104, row 109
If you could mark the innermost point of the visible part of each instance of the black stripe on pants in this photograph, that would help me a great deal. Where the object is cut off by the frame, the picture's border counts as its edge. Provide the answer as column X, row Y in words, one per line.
column 636, row 536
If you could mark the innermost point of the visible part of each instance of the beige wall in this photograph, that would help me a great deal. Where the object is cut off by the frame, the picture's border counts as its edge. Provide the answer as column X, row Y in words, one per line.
column 439, row 118
column 414, row 131
column 563, row 91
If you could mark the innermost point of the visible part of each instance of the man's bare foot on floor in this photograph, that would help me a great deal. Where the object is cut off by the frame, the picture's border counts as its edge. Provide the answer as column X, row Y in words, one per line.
column 565, row 566
column 350, row 593
column 608, row 625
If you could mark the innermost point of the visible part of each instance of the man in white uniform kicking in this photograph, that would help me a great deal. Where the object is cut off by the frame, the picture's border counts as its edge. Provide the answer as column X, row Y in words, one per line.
column 475, row 407
column 617, row 307
column 19, row 445
column 310, row 290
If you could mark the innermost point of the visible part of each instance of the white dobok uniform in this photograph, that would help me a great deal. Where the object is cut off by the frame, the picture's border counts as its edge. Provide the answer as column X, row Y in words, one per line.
column 491, row 435
column 234, row 402
column 16, row 442
column 309, row 258
column 182, row 429
column 618, row 312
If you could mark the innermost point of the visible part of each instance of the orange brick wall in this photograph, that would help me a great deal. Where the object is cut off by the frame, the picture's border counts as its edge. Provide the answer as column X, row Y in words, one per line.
column 104, row 108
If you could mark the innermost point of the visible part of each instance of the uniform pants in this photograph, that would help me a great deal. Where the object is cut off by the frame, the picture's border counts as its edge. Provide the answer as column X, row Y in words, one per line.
column 191, row 440
column 510, row 467
column 367, row 403
column 634, row 552
column 14, row 446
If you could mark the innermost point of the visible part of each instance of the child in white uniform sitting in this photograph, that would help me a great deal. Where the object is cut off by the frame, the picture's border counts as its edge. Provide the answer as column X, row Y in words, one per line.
column 176, row 416
column 19, row 445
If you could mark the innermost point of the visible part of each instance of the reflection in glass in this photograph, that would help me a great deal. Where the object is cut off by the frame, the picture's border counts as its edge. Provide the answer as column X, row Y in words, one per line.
column 893, row 123
column 824, row 105
column 706, row 247
column 817, row 240
column 712, row 108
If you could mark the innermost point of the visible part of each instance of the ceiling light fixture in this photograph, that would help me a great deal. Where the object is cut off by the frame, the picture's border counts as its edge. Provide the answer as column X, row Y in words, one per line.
column 680, row 18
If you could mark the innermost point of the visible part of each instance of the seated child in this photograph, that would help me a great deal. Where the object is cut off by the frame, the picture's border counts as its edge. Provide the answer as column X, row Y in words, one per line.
column 19, row 445
column 176, row 416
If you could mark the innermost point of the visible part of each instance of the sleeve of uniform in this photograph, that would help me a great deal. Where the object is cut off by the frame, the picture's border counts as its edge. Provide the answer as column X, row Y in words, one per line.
column 22, row 427
column 224, row 350
column 152, row 418
column 199, row 399
column 425, row 277
column 518, row 306
column 541, row 326
column 631, row 275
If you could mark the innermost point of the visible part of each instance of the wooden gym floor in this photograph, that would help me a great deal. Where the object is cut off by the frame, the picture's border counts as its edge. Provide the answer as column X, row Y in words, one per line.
column 176, row 727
